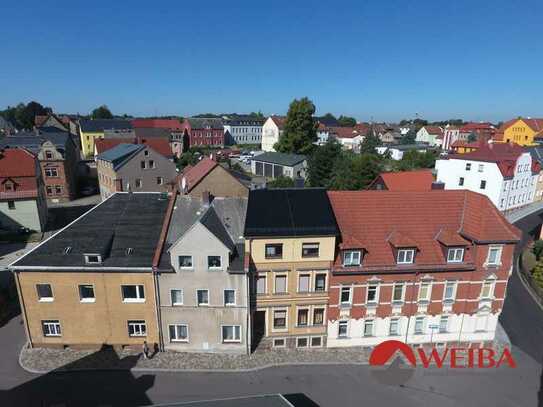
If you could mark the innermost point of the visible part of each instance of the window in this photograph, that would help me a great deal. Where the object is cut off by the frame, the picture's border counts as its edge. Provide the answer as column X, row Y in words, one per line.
column 419, row 325
column 320, row 282
column 487, row 289
column 443, row 324
column 342, row 329
column 279, row 319
column 176, row 297
column 345, row 295
column 468, row 166
column 398, row 292
column 303, row 283
column 11, row 204
column 51, row 172
column 146, row 154
column 449, row 291
column 159, row 180
column 303, row 317
column 455, row 255
column 394, row 327
column 372, row 293
column 214, row 262
column 483, row 184
column 137, row 328
column 139, row 183
column 494, row 256
column 51, row 328
column 280, row 284
column 45, row 292
column 8, row 186
column 405, row 256
column 318, row 316
column 310, row 250
column 302, row 342
column 481, row 167
column 185, row 262
column 143, row 165
column 229, row 297
column 261, row 284
column 48, row 155
column 202, row 297
column 179, row 333
column 351, row 258
column 86, row 293
column 133, row 293
column 316, row 341
column 151, row 164
column 93, row 259
column 424, row 291
column 368, row 327
column 461, row 181
column 274, row 251
column 231, row 333
column 279, row 343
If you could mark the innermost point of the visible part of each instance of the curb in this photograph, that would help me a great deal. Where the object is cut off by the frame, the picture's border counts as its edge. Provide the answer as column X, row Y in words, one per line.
column 527, row 287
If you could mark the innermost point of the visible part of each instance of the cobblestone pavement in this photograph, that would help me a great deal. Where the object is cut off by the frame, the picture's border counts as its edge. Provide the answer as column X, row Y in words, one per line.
column 41, row 360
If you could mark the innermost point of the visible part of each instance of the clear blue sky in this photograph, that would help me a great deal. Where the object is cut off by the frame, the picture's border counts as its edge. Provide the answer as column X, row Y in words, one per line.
column 384, row 60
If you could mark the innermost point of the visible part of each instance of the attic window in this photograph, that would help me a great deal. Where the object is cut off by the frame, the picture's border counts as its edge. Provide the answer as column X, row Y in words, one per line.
column 93, row 259
column 67, row 249
column 129, row 251
column 405, row 256
column 8, row 186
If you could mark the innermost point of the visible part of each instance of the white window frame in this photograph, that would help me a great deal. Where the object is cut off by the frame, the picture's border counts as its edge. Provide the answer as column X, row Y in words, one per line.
column 311, row 245
column 198, row 301
column 453, row 295
column 54, row 324
column 275, row 275
column 139, row 324
column 316, row 346
column 402, row 299
column 304, row 274
column 176, row 304
column 377, row 289
column 45, row 299
column 280, row 329
column 176, row 340
column 454, row 258
column 404, row 253
column 447, row 320
column 89, row 299
column 308, row 309
column 349, row 258
column 214, row 267
column 428, row 296
column 339, row 325
column 315, row 308
column 185, row 267
column 138, row 298
column 369, row 321
column 317, row 274
column 224, row 297
column 235, row 340
column 89, row 255
column 264, row 277
column 422, row 320
column 398, row 329
column 498, row 261
column 307, row 343
column 350, row 301
column 492, row 284
column 284, row 345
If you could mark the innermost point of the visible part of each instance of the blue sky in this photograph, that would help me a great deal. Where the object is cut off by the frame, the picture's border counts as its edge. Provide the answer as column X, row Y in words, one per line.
column 386, row 60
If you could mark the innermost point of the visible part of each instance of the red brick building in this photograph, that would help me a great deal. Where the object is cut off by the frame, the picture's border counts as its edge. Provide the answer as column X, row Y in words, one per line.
column 419, row 267
column 208, row 132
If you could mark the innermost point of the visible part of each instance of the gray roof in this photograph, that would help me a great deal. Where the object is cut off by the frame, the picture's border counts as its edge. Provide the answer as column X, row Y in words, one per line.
column 244, row 121
column 203, row 122
column 288, row 160
column 99, row 125
column 125, row 220
column 120, row 154
column 537, row 153
column 407, row 147
column 33, row 140
column 224, row 218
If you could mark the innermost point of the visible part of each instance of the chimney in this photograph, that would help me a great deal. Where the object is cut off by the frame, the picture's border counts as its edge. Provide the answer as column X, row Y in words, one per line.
column 438, row 185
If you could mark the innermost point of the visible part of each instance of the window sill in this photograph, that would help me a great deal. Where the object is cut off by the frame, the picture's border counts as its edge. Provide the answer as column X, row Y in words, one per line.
column 186, row 268
column 46, row 300
column 345, row 306
column 88, row 300
column 230, row 305
column 372, row 304
column 129, row 301
column 214, row 269
column 273, row 257
column 179, row 341
column 53, row 336
column 137, row 336
column 177, row 304
column 203, row 305
column 227, row 342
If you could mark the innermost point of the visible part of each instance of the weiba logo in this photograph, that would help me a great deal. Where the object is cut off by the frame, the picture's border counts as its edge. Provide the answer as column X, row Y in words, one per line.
column 454, row 357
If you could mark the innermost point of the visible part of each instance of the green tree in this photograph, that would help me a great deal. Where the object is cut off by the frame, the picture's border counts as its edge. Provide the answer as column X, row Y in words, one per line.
column 258, row 114
column 23, row 115
column 538, row 249
column 369, row 145
column 300, row 131
column 101, row 112
column 321, row 164
column 413, row 160
column 537, row 273
column 355, row 171
column 346, row 121
column 409, row 137
column 281, row 182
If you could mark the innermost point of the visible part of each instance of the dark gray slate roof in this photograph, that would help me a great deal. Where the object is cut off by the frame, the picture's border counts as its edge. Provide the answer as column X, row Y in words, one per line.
column 290, row 212
column 203, row 122
column 244, row 121
column 120, row 154
column 33, row 140
column 99, row 125
column 537, row 153
column 287, row 160
column 125, row 220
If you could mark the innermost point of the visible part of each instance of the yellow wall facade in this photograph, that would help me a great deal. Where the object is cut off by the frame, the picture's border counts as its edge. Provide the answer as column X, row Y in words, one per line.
column 87, row 142
column 519, row 133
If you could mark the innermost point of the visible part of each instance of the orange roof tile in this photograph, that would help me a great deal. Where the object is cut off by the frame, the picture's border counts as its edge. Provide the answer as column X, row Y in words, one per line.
column 419, row 180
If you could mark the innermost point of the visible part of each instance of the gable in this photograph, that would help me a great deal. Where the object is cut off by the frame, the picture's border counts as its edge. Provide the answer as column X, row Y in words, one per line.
column 220, row 182
column 194, row 239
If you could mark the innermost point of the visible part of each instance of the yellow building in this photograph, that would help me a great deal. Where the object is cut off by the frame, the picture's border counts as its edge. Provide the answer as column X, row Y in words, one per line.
column 90, row 130
column 291, row 251
column 522, row 131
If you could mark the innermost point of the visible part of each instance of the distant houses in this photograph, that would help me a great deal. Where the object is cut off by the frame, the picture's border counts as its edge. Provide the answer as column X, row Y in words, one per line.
column 273, row 165
column 90, row 130
column 204, row 132
column 271, row 132
column 242, row 130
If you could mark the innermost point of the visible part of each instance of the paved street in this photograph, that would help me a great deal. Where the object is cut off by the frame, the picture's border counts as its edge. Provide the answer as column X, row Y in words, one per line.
column 325, row 385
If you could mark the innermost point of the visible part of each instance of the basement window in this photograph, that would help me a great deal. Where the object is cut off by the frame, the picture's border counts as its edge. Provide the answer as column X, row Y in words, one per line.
column 93, row 259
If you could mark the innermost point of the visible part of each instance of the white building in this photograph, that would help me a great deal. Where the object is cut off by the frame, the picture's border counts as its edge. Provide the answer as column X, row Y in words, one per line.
column 271, row 131
column 243, row 129
column 505, row 173
column 430, row 134
column 397, row 152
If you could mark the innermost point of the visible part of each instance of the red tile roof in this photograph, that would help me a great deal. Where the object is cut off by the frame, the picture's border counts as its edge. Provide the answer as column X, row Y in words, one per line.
column 344, row 132
column 160, row 145
column 434, row 130
column 103, row 144
column 535, row 124
column 473, row 126
column 419, row 180
column 193, row 175
column 279, row 121
column 171, row 124
column 17, row 162
column 379, row 218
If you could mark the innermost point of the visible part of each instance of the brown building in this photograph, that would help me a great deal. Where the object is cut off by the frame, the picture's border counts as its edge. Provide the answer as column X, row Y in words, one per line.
column 92, row 283
column 209, row 176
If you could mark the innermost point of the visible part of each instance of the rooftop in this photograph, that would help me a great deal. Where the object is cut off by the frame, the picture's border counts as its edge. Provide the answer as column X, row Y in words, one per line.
column 170, row 124
column 289, row 212
column 287, row 160
column 192, row 175
column 204, row 122
column 419, row 180
column 17, row 162
column 120, row 154
column 33, row 140
column 99, row 125
column 160, row 145
column 122, row 222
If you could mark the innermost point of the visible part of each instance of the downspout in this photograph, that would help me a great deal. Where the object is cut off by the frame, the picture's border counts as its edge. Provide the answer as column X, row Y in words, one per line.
column 23, row 308
column 158, row 312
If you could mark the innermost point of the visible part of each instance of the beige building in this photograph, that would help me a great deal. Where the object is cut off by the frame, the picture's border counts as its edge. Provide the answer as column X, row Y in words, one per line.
column 291, row 251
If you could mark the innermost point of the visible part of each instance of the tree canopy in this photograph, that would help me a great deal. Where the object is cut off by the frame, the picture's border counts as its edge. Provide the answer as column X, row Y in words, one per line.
column 22, row 116
column 409, row 137
column 281, row 182
column 346, row 121
column 101, row 112
column 300, row 131
column 321, row 164
column 413, row 159
column 369, row 145
column 355, row 171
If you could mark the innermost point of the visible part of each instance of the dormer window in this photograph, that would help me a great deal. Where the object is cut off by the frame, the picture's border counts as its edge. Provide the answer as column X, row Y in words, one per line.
column 351, row 258
column 48, row 155
column 93, row 259
column 455, row 255
column 8, row 186
column 405, row 256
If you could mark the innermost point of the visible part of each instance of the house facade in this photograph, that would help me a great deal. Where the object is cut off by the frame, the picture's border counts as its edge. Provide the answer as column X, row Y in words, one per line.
column 243, row 129
column 506, row 174
column 160, row 128
column 522, row 131
column 430, row 134
column 412, row 275
column 134, row 167
column 272, row 165
column 90, row 130
column 348, row 137
column 204, row 132
column 290, row 257
column 202, row 280
column 91, row 283
column 272, row 129
column 22, row 198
